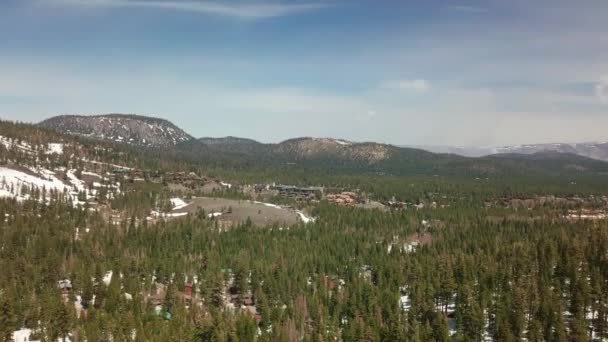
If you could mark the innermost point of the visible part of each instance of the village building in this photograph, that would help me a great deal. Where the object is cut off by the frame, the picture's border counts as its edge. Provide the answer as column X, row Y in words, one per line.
column 298, row 193
column 347, row 199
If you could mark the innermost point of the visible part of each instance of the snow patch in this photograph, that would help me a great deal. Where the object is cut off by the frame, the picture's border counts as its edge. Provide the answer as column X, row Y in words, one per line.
column 107, row 278
column 178, row 203
column 88, row 173
column 342, row 142
column 306, row 219
column 54, row 148
column 271, row 205
column 155, row 213
column 11, row 143
column 12, row 182
column 77, row 183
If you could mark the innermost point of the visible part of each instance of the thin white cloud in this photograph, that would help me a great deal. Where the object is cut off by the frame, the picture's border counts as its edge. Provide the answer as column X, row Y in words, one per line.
column 365, row 117
column 601, row 89
column 228, row 9
column 468, row 8
column 416, row 85
column 290, row 100
column 458, row 116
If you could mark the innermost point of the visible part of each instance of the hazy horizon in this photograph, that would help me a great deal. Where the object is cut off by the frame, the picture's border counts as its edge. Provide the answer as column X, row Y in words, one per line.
column 437, row 73
column 420, row 146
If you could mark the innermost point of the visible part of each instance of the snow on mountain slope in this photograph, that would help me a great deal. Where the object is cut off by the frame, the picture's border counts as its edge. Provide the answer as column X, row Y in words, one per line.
column 14, row 144
column 594, row 150
column 27, row 148
column 310, row 148
column 24, row 183
column 55, row 148
column 21, row 184
column 128, row 129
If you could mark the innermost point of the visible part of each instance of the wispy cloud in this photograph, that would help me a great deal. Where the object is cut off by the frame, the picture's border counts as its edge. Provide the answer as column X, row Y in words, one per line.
column 468, row 8
column 228, row 9
column 416, row 85
column 601, row 89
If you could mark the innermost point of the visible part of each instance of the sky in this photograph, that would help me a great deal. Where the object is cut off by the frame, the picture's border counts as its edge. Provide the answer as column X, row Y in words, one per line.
column 451, row 72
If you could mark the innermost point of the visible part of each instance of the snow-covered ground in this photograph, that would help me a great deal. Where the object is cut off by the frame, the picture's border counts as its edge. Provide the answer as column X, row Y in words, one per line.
column 155, row 213
column 13, row 181
column 406, row 247
column 25, row 335
column 107, row 278
column 88, row 173
column 343, row 142
column 271, row 205
column 178, row 203
column 51, row 148
column 405, row 302
column 108, row 164
column 305, row 218
column 10, row 143
column 54, row 148
column 20, row 184
column 77, row 183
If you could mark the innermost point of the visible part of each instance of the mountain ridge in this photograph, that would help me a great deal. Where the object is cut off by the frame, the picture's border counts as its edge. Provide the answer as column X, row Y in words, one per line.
column 593, row 150
column 123, row 128
column 334, row 155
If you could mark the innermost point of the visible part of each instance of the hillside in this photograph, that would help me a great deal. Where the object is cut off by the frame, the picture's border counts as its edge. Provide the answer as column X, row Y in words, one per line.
column 129, row 129
column 333, row 155
column 234, row 141
column 326, row 155
column 597, row 151
column 148, row 243
column 310, row 149
column 591, row 150
column 311, row 153
column 233, row 145
column 326, row 148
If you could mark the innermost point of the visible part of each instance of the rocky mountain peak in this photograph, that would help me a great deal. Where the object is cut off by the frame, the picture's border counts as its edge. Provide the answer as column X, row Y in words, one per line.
column 123, row 128
column 304, row 148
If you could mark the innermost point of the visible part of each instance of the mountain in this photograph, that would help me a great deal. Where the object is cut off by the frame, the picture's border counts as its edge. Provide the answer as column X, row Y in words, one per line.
column 123, row 128
column 337, row 155
column 233, row 145
column 323, row 148
column 234, row 141
column 326, row 154
column 299, row 150
column 304, row 149
column 552, row 161
column 473, row 152
column 591, row 150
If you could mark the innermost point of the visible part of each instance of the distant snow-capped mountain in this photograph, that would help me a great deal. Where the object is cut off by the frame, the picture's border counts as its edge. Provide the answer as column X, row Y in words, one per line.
column 592, row 150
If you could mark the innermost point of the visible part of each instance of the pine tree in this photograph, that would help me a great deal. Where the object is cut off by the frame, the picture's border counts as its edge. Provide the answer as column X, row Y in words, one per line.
column 245, row 328
column 8, row 322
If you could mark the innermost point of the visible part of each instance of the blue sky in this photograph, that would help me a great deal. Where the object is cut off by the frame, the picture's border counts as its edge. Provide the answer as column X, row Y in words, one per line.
column 450, row 72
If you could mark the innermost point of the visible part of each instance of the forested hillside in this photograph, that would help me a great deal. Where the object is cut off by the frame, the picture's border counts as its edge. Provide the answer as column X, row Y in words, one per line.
column 163, row 140
column 351, row 276
column 126, row 247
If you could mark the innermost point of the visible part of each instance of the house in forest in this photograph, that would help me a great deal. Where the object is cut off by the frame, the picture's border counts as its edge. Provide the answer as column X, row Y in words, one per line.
column 346, row 199
column 65, row 286
column 298, row 193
